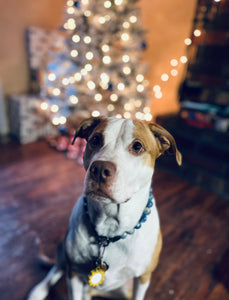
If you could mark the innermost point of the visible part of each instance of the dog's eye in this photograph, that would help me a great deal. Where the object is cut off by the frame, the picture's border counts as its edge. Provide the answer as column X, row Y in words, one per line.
column 96, row 141
column 137, row 147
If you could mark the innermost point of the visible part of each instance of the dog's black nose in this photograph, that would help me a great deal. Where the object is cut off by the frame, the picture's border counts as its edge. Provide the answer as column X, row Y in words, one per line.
column 102, row 171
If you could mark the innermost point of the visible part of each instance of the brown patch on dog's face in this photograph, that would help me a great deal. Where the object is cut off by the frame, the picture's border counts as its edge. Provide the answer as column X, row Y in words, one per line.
column 95, row 142
column 155, row 140
column 143, row 135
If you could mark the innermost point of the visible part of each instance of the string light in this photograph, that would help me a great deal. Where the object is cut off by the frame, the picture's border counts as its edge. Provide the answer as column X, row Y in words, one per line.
column 54, row 108
column 110, row 107
column 104, row 77
column 70, row 10
column 125, row 37
column 98, row 97
column 107, row 18
column 76, row 38
column 127, row 115
column 158, row 95
column 197, row 32
column 70, row 3
column 157, row 88
column 105, row 48
column 174, row 62
column 88, row 67
column 140, row 88
column 78, row 76
column 74, row 53
column 104, row 85
column 118, row 2
column 126, row 25
column 126, row 70
column 83, row 72
column 55, row 121
column 73, row 99
column 89, row 55
column 133, row 19
column 87, row 39
column 102, row 20
column 91, row 85
column 125, row 58
column 129, row 106
column 164, row 77
column 146, row 110
column 148, row 117
column 139, row 115
column 114, row 97
column 121, row 86
column 95, row 113
column 87, row 13
column 188, row 41
column 174, row 72
column 62, row 120
column 65, row 81
column 183, row 59
column 44, row 105
column 51, row 77
column 56, row 92
column 139, row 78
column 107, row 4
column 138, row 103
column 71, row 24
column 106, row 60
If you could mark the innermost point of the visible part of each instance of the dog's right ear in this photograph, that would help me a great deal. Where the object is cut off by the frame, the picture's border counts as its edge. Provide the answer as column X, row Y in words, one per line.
column 86, row 127
column 165, row 141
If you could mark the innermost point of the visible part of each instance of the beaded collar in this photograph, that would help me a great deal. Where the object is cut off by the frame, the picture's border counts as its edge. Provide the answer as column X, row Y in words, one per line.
column 105, row 241
column 97, row 275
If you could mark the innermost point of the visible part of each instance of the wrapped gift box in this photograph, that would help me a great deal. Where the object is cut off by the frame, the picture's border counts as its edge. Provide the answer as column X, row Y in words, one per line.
column 27, row 122
column 39, row 43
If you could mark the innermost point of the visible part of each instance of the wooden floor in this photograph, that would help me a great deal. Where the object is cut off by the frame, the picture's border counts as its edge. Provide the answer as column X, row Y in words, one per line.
column 38, row 188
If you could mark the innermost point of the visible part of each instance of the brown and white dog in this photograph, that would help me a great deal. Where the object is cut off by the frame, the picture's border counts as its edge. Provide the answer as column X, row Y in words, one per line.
column 114, row 231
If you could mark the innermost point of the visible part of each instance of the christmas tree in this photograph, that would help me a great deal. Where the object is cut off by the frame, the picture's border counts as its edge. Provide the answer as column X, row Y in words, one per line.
column 96, row 67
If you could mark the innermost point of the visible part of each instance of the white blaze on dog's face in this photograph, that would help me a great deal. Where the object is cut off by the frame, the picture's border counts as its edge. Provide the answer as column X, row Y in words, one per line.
column 119, row 157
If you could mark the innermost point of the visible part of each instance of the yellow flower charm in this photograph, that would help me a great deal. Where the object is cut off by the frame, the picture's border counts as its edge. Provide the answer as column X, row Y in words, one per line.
column 96, row 277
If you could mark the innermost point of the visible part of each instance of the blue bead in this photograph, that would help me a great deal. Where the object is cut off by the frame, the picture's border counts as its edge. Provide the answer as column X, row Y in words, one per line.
column 143, row 218
column 149, row 204
column 139, row 225
column 124, row 235
column 147, row 211
column 131, row 231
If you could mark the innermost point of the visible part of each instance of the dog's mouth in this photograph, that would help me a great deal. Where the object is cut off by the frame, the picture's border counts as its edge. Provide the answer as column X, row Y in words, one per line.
column 99, row 195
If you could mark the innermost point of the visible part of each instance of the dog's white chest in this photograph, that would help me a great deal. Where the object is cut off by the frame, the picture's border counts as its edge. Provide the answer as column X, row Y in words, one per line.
column 126, row 258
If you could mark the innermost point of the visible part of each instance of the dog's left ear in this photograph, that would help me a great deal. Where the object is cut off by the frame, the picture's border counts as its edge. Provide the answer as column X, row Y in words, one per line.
column 86, row 127
column 165, row 142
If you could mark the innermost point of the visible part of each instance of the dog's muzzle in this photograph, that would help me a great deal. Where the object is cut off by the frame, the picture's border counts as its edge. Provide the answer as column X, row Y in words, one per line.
column 103, row 172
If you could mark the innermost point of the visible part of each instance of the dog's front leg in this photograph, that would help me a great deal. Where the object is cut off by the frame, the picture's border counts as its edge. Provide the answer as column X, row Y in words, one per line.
column 139, row 289
column 76, row 289
column 41, row 290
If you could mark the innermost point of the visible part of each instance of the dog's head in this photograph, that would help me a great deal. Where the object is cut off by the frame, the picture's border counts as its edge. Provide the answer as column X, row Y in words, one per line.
column 120, row 156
